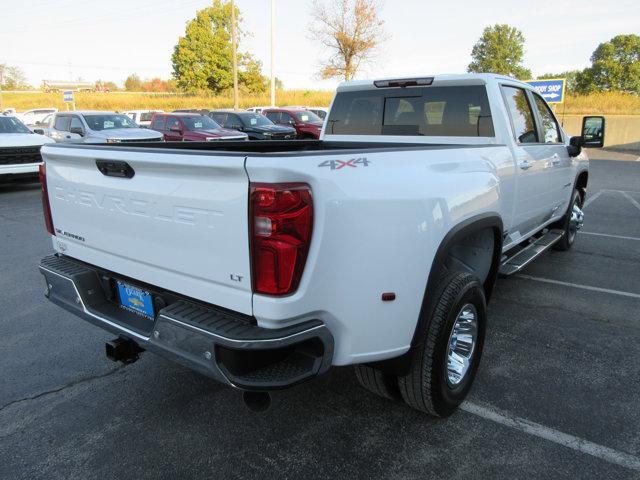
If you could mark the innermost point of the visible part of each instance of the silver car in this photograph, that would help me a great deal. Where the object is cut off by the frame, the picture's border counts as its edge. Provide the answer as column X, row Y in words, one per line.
column 98, row 127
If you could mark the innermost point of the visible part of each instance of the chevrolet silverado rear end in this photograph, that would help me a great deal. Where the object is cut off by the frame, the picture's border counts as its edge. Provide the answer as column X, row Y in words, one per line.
column 261, row 264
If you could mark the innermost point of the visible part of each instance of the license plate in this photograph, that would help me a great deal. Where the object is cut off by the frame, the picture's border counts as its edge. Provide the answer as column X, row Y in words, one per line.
column 135, row 299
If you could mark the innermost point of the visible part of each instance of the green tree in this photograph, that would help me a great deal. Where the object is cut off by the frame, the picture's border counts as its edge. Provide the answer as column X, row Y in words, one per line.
column 500, row 49
column 202, row 58
column 12, row 78
column 133, row 83
column 615, row 65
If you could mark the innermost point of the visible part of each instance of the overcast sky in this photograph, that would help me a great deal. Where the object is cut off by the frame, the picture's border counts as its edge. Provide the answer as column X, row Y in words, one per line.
column 108, row 40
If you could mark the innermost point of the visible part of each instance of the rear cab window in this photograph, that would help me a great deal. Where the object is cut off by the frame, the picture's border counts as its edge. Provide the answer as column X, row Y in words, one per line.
column 448, row 111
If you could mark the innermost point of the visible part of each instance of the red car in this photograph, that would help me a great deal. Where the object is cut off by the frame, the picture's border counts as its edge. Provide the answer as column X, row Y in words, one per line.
column 192, row 127
column 306, row 123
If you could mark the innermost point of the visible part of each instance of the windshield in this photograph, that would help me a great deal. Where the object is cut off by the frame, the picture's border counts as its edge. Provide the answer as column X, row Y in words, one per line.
column 199, row 123
column 255, row 120
column 109, row 122
column 12, row 125
column 307, row 117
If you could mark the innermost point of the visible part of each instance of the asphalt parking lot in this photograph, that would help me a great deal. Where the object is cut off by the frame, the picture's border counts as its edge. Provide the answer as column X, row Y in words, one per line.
column 557, row 395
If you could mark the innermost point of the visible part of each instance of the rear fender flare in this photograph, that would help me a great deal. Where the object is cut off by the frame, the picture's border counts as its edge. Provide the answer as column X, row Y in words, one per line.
column 400, row 365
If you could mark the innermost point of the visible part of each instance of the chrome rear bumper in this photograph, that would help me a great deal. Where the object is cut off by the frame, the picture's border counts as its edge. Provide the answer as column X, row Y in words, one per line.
column 220, row 344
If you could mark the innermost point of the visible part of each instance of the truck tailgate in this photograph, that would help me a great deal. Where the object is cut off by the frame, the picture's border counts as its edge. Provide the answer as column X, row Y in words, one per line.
column 180, row 223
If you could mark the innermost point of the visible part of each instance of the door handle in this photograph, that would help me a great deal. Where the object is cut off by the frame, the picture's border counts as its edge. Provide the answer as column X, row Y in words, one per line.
column 68, row 136
column 525, row 165
column 555, row 159
column 111, row 168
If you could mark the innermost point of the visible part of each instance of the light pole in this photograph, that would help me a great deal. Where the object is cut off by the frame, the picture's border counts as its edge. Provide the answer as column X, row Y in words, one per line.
column 273, row 41
column 235, row 56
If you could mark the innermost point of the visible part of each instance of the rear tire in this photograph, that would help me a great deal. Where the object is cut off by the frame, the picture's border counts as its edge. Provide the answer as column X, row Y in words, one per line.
column 378, row 382
column 440, row 374
column 570, row 223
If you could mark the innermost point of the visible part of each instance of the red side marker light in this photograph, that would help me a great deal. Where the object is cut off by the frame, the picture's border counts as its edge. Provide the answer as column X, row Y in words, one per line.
column 388, row 297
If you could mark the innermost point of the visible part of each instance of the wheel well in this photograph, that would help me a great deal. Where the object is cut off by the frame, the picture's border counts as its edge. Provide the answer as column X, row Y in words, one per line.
column 581, row 183
column 472, row 254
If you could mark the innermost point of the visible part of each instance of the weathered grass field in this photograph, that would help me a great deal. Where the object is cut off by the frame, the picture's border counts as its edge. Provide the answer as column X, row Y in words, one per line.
column 130, row 101
column 611, row 103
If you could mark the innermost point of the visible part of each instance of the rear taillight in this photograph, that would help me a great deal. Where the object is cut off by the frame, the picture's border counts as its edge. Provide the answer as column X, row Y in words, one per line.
column 46, row 208
column 281, row 221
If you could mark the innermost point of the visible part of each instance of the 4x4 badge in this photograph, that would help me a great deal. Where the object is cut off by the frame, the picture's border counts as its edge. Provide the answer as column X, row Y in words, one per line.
column 340, row 164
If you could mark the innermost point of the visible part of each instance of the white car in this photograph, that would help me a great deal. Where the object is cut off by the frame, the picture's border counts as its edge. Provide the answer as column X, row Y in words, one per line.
column 87, row 126
column 31, row 117
column 262, row 264
column 142, row 117
column 321, row 112
column 257, row 109
column 19, row 148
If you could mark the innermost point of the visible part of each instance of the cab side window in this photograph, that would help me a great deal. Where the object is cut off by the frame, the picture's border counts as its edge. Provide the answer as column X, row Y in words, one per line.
column 287, row 119
column 550, row 128
column 524, row 126
column 274, row 116
column 158, row 123
column 172, row 122
column 220, row 118
column 62, row 123
column 76, row 123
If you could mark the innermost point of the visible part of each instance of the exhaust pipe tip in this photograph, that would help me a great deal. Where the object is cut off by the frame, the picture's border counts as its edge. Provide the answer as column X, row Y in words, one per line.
column 257, row 402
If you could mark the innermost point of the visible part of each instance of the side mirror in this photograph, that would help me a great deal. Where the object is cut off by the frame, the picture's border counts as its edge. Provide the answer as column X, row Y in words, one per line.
column 176, row 129
column 39, row 131
column 575, row 146
column 593, row 132
column 77, row 131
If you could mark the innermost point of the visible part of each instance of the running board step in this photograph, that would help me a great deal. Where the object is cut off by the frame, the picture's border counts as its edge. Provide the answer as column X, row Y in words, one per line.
column 532, row 251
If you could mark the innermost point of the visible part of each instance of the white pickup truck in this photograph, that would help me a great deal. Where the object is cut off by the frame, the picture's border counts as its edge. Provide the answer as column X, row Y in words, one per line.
column 262, row 264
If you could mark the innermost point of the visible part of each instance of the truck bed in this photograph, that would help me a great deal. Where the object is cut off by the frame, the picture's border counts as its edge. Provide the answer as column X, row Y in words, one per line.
column 281, row 148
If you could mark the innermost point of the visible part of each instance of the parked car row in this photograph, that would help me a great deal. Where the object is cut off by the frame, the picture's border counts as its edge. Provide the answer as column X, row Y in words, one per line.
column 196, row 125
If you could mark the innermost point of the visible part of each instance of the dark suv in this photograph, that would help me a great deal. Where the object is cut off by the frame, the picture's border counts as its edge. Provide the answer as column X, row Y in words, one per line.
column 191, row 127
column 256, row 126
column 307, row 124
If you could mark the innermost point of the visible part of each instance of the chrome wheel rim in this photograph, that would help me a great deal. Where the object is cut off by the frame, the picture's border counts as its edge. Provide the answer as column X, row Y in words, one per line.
column 462, row 344
column 576, row 220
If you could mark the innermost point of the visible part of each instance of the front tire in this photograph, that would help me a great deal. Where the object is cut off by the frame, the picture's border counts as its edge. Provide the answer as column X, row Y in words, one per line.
column 571, row 222
column 444, row 363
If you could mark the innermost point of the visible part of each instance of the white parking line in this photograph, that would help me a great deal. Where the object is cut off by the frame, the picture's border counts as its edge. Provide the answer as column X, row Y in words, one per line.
column 591, row 199
column 631, row 199
column 621, row 237
column 576, row 443
column 583, row 287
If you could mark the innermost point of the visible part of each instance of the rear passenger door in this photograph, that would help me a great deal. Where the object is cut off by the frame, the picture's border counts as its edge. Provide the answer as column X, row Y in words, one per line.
column 553, row 149
column 533, row 204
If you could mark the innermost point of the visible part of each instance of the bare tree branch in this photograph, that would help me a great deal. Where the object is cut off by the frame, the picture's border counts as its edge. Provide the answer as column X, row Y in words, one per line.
column 351, row 30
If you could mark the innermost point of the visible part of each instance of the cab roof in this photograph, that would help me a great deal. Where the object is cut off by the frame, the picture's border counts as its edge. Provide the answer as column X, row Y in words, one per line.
column 429, row 80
